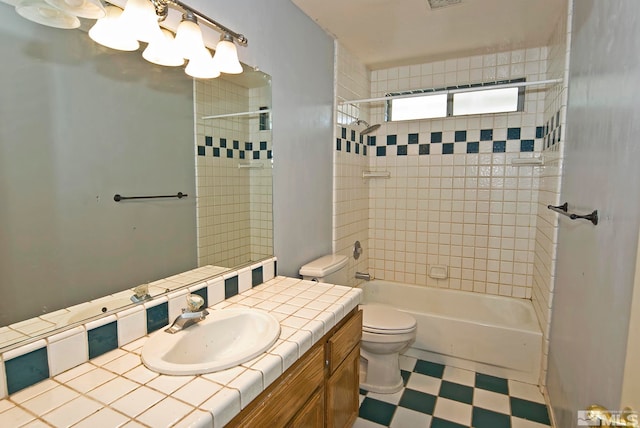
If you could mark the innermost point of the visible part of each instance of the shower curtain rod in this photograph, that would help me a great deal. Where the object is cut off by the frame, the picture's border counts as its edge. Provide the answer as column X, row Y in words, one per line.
column 244, row 113
column 454, row 91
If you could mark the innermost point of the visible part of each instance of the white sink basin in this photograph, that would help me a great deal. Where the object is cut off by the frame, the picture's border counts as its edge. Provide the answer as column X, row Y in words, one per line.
column 226, row 338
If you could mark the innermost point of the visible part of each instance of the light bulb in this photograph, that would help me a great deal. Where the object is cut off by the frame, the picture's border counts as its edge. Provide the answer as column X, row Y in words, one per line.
column 139, row 19
column 163, row 51
column 189, row 41
column 42, row 13
column 226, row 56
column 108, row 31
column 202, row 66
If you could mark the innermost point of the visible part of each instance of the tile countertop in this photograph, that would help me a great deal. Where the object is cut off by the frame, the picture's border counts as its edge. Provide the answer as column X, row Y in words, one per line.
column 117, row 390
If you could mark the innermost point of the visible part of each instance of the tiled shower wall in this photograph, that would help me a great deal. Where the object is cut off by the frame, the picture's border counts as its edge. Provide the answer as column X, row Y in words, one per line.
column 351, row 192
column 454, row 200
column 550, row 179
column 225, row 192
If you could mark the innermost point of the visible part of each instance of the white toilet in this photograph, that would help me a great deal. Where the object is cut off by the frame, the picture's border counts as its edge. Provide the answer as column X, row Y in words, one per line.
column 386, row 332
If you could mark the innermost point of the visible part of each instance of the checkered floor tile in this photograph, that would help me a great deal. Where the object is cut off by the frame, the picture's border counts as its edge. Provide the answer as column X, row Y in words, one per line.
column 437, row 396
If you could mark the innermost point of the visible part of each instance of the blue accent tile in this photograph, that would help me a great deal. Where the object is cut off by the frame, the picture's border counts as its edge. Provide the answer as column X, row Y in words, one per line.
column 269, row 154
column 231, row 287
column 391, row 140
column 263, row 145
column 208, row 141
column 513, row 133
column 558, row 117
column 423, row 149
column 402, row 150
column 418, row 401
column 242, row 154
column 348, row 146
column 460, row 136
column 157, row 317
column 486, row 134
column 229, row 153
column 361, row 139
column 447, row 149
column 338, row 144
column 256, row 154
column 499, row 146
column 381, row 151
column 529, row 410
column 436, row 137
column 223, row 143
column 275, row 267
column 362, row 392
column 248, row 146
column 353, row 135
column 429, row 368
column 201, row 150
column 364, row 150
column 371, row 140
column 492, row 383
column 236, row 144
column 482, row 418
column 357, row 148
column 203, row 293
column 257, row 276
column 443, row 423
column 539, row 131
column 457, row 392
column 216, row 152
column 26, row 370
column 344, row 133
column 377, row 411
column 412, row 139
column 473, row 147
column 104, row 338
column 526, row 145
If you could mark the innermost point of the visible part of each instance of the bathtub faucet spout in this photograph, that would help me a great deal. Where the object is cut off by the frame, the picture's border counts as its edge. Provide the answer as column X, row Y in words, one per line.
column 363, row 275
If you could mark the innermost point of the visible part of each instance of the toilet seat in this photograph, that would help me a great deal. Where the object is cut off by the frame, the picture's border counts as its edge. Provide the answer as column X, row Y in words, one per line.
column 381, row 319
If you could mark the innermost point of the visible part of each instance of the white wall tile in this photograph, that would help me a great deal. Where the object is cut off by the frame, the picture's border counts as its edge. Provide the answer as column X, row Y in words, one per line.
column 67, row 350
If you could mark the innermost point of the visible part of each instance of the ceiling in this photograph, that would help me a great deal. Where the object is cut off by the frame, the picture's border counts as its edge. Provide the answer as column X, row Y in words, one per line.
column 387, row 33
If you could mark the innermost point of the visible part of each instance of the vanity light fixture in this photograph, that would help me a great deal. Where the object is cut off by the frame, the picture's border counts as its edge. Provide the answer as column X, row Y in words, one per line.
column 139, row 22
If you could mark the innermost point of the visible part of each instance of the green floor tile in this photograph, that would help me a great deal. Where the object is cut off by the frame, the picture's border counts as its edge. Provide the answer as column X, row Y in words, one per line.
column 429, row 369
column 492, row 383
column 482, row 418
column 405, row 376
column 530, row 410
column 457, row 392
column 377, row 411
column 418, row 401
column 443, row 423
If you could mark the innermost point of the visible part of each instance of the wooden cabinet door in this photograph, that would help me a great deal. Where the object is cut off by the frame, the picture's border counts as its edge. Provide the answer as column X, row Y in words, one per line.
column 342, row 390
column 312, row 414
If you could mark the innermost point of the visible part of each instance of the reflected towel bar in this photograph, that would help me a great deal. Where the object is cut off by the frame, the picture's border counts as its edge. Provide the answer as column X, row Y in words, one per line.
column 119, row 198
column 562, row 209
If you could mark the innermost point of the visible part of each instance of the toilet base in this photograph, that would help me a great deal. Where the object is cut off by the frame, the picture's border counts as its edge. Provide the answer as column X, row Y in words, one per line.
column 380, row 373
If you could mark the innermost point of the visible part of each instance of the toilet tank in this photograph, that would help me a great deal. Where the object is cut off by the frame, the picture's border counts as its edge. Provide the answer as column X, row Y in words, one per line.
column 330, row 268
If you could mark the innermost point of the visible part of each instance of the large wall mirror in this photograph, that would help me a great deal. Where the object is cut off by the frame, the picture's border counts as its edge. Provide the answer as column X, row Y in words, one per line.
column 80, row 123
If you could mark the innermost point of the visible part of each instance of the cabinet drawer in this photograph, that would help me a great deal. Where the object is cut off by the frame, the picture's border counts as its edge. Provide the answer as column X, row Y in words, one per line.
column 344, row 340
column 284, row 399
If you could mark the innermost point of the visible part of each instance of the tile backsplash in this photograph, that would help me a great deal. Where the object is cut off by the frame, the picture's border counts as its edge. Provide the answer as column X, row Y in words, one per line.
column 34, row 362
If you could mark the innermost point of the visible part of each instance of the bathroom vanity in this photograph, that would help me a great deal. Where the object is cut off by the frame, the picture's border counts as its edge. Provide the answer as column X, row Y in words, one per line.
column 308, row 378
column 320, row 389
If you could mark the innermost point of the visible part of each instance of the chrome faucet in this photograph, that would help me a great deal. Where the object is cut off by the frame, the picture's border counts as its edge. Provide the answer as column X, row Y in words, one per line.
column 190, row 315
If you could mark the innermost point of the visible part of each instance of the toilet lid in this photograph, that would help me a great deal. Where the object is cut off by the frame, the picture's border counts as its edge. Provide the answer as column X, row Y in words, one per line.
column 386, row 320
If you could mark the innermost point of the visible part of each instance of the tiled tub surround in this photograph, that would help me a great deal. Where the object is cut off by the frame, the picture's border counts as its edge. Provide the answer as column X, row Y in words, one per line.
column 115, row 388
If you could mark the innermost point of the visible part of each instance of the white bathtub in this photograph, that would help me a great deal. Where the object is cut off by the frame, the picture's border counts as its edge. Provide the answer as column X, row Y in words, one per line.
column 494, row 335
